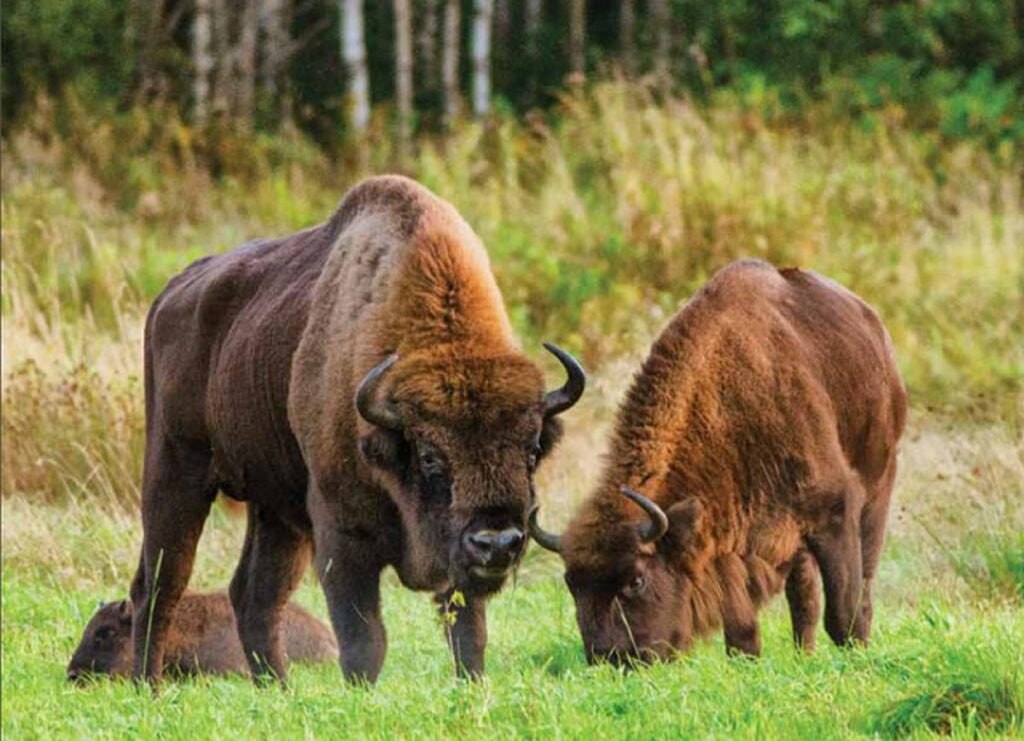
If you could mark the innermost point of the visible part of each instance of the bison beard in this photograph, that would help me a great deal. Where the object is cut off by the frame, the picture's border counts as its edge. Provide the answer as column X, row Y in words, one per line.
column 763, row 431
column 358, row 385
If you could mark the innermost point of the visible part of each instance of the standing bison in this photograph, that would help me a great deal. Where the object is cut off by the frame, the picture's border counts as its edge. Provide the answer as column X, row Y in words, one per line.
column 762, row 431
column 358, row 385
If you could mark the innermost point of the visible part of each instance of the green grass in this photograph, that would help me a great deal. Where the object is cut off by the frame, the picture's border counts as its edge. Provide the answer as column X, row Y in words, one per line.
column 941, row 657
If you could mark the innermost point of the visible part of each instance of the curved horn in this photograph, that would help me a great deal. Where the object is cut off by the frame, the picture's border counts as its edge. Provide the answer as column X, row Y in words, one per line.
column 544, row 539
column 658, row 526
column 556, row 402
column 383, row 413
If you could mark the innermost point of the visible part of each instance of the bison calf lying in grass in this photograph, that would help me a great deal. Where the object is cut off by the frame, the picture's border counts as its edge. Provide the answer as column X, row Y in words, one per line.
column 762, row 430
column 203, row 639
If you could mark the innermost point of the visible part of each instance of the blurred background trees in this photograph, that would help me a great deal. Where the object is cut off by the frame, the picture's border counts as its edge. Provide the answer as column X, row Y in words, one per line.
column 322, row 65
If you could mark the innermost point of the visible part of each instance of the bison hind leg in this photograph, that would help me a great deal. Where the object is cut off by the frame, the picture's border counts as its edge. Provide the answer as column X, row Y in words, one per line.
column 176, row 499
column 804, row 598
column 274, row 557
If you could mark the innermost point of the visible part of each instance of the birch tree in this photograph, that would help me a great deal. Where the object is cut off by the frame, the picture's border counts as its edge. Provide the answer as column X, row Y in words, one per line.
column 577, row 37
column 245, row 72
column 450, row 61
column 202, row 59
column 353, row 52
column 426, row 43
column 662, row 39
column 482, row 15
column 627, row 34
column 403, row 70
column 275, row 22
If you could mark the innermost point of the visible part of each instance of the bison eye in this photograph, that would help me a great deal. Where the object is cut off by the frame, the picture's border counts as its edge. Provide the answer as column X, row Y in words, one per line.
column 635, row 587
column 534, row 457
column 431, row 463
column 104, row 634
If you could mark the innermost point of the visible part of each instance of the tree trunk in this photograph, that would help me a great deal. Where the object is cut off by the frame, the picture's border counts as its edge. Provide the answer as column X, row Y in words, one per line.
column 531, row 21
column 577, row 38
column 353, row 52
column 275, row 20
column 144, row 33
column 627, row 34
column 663, row 40
column 426, row 42
column 202, row 59
column 450, row 61
column 482, row 56
column 403, row 71
column 245, row 74
column 224, row 54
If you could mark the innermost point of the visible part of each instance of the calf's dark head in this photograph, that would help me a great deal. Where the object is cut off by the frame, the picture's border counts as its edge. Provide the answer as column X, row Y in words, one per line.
column 631, row 579
column 455, row 437
column 105, row 647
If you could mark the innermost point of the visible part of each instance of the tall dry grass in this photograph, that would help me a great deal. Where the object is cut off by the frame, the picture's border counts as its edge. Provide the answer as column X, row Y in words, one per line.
column 600, row 220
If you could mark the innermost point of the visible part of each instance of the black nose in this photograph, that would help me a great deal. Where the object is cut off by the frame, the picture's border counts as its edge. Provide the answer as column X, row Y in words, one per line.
column 494, row 548
column 73, row 675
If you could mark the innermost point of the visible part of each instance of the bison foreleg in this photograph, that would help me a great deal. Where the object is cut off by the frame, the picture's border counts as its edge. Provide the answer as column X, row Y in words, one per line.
column 352, row 586
column 739, row 615
column 465, row 625
column 273, row 560
column 837, row 549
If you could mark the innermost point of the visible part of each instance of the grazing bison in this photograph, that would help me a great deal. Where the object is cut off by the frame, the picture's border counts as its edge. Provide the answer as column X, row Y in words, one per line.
column 358, row 385
column 202, row 639
column 762, row 430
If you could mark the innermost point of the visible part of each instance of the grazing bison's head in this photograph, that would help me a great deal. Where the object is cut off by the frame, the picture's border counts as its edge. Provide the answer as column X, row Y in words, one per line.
column 456, row 439
column 105, row 647
column 630, row 580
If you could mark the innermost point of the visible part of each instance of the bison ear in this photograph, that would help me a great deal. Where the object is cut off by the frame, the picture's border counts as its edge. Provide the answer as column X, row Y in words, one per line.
column 550, row 434
column 124, row 611
column 687, row 530
column 385, row 449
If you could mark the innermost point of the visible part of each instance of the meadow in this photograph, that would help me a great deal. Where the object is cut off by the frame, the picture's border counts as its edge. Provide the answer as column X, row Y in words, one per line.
column 601, row 218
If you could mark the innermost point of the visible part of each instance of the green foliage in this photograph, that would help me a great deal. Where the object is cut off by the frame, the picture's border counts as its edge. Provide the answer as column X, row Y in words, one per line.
column 955, row 66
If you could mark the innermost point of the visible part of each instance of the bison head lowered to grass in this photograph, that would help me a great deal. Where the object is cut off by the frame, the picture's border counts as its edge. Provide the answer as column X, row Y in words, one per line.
column 359, row 386
column 762, row 432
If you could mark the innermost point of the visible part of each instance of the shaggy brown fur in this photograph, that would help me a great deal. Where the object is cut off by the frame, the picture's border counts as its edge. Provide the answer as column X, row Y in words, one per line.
column 252, row 362
column 764, row 423
column 203, row 639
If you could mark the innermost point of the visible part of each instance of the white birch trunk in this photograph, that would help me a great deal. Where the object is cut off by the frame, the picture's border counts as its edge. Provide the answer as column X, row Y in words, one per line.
column 426, row 42
column 245, row 74
column 483, row 12
column 403, row 69
column 577, row 38
column 627, row 34
column 202, row 60
column 450, row 61
column 662, row 40
column 353, row 52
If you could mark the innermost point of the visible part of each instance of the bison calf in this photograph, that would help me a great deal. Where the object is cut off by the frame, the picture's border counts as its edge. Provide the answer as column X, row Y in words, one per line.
column 203, row 638
column 762, row 430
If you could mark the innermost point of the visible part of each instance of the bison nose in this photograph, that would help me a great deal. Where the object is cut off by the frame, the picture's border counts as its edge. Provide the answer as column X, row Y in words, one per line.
column 494, row 548
column 73, row 675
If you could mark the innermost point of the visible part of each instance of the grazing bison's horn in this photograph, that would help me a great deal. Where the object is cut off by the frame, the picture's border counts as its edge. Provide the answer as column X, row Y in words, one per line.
column 556, row 402
column 658, row 526
column 544, row 539
column 380, row 413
